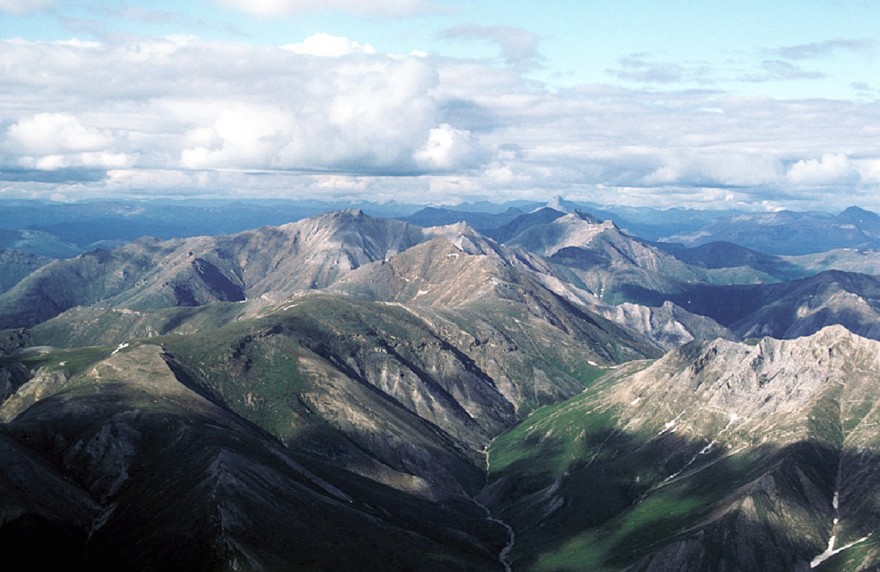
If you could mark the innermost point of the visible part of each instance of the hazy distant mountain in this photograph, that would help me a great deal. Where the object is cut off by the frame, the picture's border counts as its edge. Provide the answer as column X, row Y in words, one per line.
column 616, row 267
column 718, row 455
column 271, row 261
column 15, row 265
column 789, row 232
column 37, row 243
column 846, row 259
column 524, row 222
column 482, row 221
column 728, row 255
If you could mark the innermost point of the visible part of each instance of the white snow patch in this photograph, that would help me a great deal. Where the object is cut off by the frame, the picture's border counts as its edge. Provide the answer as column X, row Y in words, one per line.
column 831, row 551
column 121, row 346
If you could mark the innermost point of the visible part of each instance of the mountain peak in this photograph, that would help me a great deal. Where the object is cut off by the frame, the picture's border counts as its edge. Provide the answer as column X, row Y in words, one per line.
column 558, row 203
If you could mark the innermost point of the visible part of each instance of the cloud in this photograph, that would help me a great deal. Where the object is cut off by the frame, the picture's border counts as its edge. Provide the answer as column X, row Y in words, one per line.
column 518, row 46
column 273, row 8
column 183, row 116
column 329, row 46
column 776, row 70
column 830, row 170
column 824, row 49
column 639, row 68
column 48, row 133
column 138, row 14
column 57, row 141
column 20, row 7
column 448, row 148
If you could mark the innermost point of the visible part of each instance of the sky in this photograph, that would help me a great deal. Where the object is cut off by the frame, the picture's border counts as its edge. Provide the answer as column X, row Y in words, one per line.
column 715, row 104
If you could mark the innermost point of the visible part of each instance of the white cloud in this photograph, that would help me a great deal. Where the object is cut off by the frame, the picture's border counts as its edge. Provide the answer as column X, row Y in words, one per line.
column 182, row 115
column 831, row 169
column 53, row 141
column 18, row 7
column 242, row 136
column 519, row 46
column 271, row 8
column 448, row 148
column 47, row 133
column 329, row 46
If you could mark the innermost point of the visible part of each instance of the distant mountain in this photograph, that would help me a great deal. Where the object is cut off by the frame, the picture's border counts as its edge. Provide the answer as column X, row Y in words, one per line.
column 64, row 230
column 790, row 233
column 271, row 261
column 867, row 221
column 616, row 267
column 15, row 265
column 37, row 243
column 719, row 455
column 524, row 222
column 668, row 326
column 483, row 221
column 728, row 255
column 845, row 259
column 791, row 309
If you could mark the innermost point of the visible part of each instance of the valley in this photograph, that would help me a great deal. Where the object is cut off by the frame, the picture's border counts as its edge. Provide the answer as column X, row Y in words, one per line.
column 529, row 388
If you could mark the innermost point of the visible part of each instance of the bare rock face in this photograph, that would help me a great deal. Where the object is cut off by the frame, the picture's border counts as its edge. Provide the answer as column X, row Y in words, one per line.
column 668, row 326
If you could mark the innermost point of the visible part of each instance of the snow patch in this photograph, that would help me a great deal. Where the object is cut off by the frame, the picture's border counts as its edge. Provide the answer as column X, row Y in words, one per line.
column 121, row 346
column 831, row 551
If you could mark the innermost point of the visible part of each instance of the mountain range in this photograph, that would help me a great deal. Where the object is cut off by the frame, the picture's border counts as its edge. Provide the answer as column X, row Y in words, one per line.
column 529, row 389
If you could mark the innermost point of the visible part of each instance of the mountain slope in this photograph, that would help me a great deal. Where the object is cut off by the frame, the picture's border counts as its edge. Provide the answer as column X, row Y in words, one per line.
column 718, row 455
column 155, row 475
column 791, row 309
column 729, row 255
column 15, row 265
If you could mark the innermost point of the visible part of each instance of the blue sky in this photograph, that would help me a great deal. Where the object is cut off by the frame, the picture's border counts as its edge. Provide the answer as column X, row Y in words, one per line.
column 758, row 105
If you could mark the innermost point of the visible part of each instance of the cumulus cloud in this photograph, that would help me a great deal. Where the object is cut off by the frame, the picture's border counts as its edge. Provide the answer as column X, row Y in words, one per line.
column 448, row 148
column 329, row 46
column 47, row 133
column 53, row 141
column 244, row 136
column 270, row 8
column 185, row 116
column 830, row 169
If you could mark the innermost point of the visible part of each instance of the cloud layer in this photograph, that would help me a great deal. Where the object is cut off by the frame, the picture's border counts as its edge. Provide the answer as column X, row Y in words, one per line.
column 331, row 116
